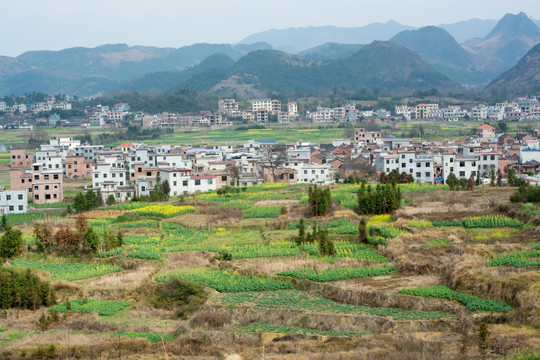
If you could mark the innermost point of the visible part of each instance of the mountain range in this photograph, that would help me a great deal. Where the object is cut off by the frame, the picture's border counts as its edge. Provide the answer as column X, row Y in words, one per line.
column 297, row 60
column 522, row 79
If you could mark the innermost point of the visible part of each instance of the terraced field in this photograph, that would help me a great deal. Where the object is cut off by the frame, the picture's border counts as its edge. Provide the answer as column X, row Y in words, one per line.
column 226, row 275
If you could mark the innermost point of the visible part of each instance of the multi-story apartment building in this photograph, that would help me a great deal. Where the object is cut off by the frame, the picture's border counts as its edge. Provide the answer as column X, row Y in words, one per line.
column 366, row 137
column 21, row 158
column 77, row 167
column 479, row 112
column 257, row 104
column 292, row 108
column 13, row 202
column 463, row 167
column 227, row 105
column 47, row 185
column 276, row 106
column 422, row 110
column 261, row 116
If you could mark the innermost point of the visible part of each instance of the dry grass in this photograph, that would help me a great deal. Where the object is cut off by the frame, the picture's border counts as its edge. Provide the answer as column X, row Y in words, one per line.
column 272, row 266
column 191, row 259
column 125, row 279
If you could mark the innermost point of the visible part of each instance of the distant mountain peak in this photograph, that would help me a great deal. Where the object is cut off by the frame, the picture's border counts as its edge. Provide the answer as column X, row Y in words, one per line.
column 512, row 25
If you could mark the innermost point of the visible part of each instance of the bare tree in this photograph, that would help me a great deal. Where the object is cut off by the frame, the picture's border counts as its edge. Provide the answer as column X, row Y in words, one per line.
column 234, row 173
column 272, row 159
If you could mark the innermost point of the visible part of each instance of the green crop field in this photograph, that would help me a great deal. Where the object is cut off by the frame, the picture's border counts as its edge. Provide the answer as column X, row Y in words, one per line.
column 339, row 274
column 68, row 271
column 101, row 307
column 227, row 281
column 471, row 302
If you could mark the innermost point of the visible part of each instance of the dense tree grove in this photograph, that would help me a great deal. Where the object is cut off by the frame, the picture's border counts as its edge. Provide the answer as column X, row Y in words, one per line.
column 383, row 200
column 65, row 241
column 320, row 200
column 23, row 289
column 88, row 201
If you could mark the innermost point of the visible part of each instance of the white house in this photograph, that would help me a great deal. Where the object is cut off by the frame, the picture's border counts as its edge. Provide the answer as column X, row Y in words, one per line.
column 315, row 173
column 13, row 202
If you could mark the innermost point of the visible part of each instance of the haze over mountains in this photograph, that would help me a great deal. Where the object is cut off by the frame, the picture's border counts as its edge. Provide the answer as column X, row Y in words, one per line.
column 312, row 60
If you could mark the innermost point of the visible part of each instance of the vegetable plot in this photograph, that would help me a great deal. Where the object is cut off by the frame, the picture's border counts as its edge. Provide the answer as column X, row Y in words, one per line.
column 471, row 302
column 339, row 274
column 228, row 281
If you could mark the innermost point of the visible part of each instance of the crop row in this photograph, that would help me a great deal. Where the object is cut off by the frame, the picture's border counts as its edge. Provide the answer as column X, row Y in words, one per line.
column 101, row 307
column 298, row 300
column 228, row 281
column 520, row 260
column 263, row 327
column 491, row 221
column 471, row 302
column 262, row 212
column 246, row 251
column 339, row 274
column 146, row 252
column 346, row 250
column 163, row 211
column 68, row 271
column 176, row 234
column 153, row 337
column 18, row 219
column 112, row 252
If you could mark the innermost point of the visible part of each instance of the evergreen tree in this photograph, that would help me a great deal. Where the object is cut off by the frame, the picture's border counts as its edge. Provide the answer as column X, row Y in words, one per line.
column 91, row 241
column 11, row 243
column 111, row 200
column 99, row 200
column 492, row 178
column 80, row 203
column 4, row 224
column 478, row 179
column 499, row 178
column 166, row 187
column 302, row 231
column 91, row 200
column 362, row 231
column 511, row 175
column 451, row 180
column 470, row 183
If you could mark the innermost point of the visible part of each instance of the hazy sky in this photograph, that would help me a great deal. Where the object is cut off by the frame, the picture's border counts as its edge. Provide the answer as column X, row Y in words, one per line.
column 58, row 24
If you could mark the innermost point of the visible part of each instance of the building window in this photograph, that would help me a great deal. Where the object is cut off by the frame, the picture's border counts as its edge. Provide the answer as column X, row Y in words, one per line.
column 184, row 183
column 462, row 163
column 56, row 176
column 197, row 182
column 8, row 197
column 462, row 174
column 210, row 181
column 428, row 174
column 418, row 174
column 21, row 207
column 11, row 208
